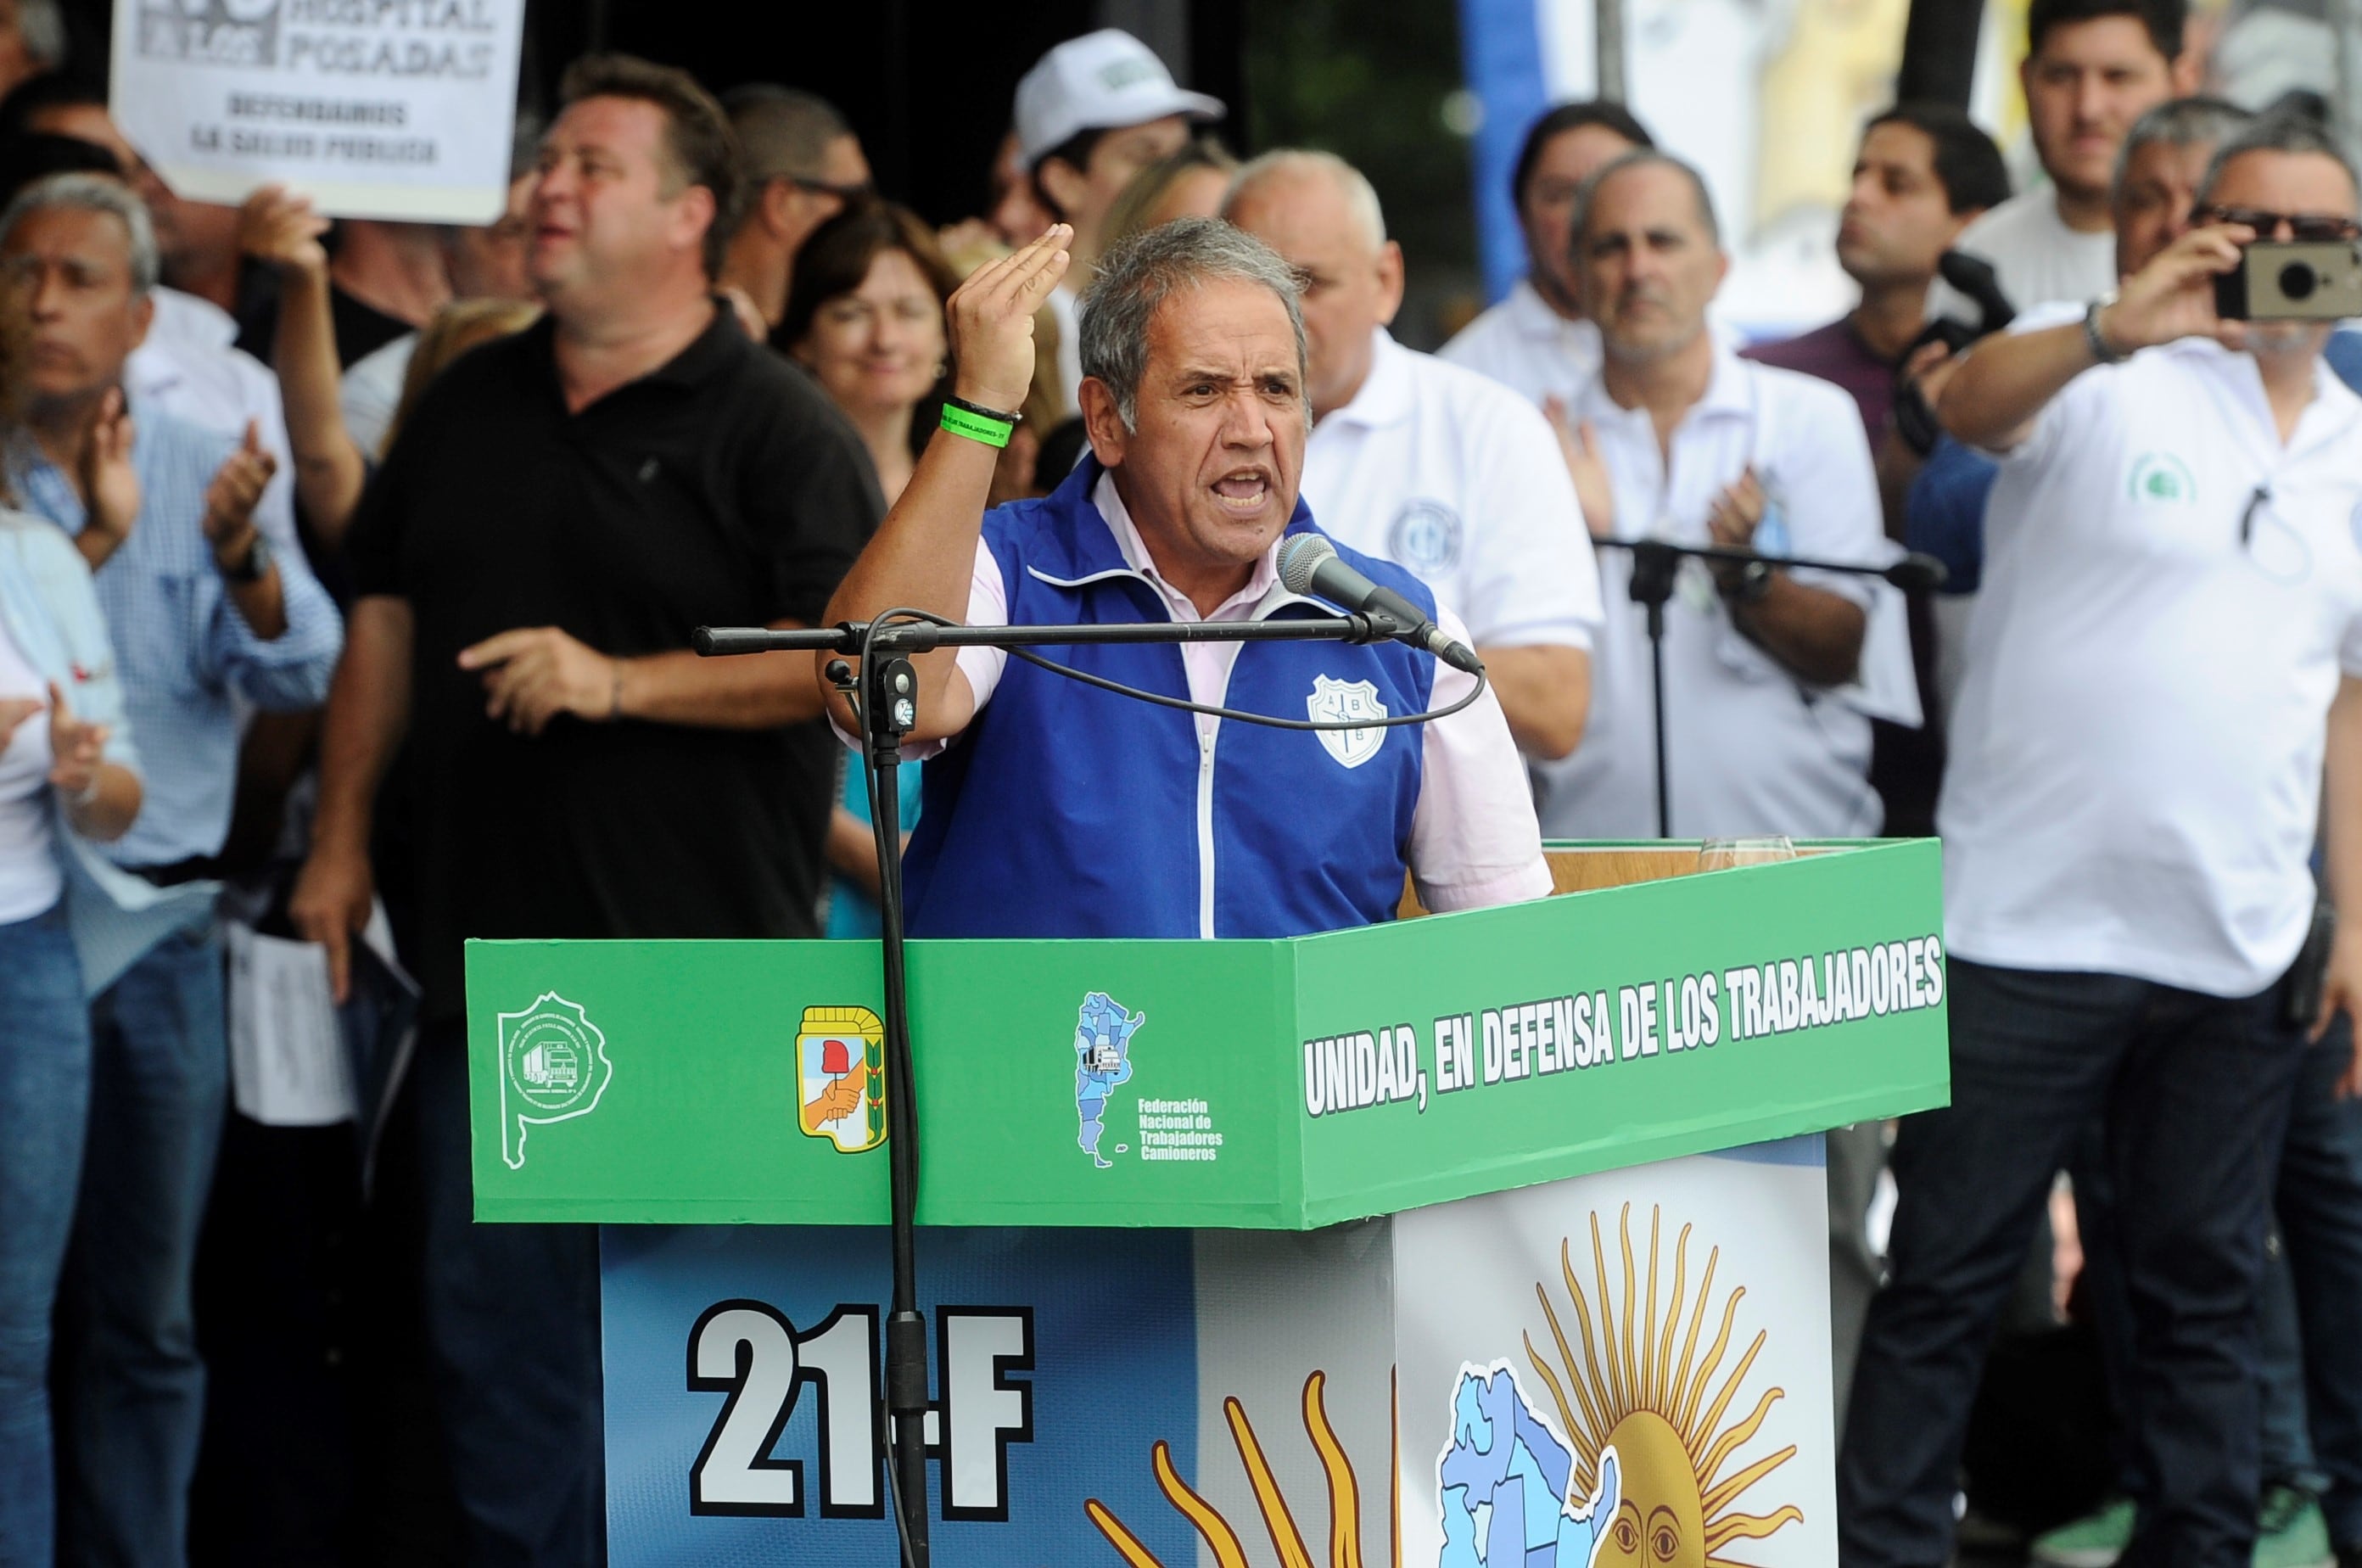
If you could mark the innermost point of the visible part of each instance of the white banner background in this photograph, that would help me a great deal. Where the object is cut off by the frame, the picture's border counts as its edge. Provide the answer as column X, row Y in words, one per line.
column 374, row 108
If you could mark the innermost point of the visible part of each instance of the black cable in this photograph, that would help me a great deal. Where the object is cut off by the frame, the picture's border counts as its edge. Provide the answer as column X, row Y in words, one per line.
column 1240, row 714
column 894, row 1500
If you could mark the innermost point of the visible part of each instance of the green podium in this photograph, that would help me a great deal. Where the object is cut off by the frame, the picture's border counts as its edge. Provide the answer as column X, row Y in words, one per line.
column 1469, row 1240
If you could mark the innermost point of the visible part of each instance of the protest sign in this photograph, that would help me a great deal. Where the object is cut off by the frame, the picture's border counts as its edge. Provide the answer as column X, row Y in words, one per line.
column 374, row 108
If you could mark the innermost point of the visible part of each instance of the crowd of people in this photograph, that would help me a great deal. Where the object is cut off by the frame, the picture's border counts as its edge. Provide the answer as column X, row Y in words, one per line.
column 347, row 568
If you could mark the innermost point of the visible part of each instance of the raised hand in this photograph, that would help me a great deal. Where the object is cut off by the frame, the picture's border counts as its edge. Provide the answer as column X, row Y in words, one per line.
column 2173, row 296
column 110, row 485
column 1731, row 519
column 1578, row 443
column 14, row 710
column 76, row 749
column 991, row 319
column 230, row 499
column 276, row 227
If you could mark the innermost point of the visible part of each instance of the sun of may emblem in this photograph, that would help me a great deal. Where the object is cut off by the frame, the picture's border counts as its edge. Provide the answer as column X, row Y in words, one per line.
column 554, row 1067
column 1222, row 1538
column 1631, row 1398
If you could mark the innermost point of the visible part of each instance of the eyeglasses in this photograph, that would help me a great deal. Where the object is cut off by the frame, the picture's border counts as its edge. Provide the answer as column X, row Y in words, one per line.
column 2315, row 228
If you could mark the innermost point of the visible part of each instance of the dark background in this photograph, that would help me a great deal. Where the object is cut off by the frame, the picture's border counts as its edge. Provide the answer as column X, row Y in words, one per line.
column 927, row 85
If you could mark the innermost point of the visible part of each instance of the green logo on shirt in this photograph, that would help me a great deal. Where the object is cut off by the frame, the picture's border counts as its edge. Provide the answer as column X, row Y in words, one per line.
column 2162, row 477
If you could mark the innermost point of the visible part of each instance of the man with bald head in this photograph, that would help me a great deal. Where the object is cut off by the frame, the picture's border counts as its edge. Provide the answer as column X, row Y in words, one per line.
column 1767, row 682
column 1431, row 466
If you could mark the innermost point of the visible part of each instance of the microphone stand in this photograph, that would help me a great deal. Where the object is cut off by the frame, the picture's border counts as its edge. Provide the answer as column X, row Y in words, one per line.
column 886, row 696
column 1656, row 563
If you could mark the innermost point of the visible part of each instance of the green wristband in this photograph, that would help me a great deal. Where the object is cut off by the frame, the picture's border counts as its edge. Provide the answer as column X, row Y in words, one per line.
column 975, row 427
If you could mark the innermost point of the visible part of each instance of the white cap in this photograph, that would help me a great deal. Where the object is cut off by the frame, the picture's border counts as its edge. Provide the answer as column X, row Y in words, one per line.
column 1102, row 81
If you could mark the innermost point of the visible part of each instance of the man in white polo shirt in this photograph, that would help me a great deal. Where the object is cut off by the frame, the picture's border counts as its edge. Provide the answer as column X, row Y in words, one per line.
column 1766, row 729
column 1436, row 468
column 1537, row 340
column 1091, row 114
column 2163, row 659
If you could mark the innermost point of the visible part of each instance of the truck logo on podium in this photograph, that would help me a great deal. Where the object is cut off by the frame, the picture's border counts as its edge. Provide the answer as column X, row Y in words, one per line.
column 554, row 1067
column 1103, row 1032
column 841, row 1077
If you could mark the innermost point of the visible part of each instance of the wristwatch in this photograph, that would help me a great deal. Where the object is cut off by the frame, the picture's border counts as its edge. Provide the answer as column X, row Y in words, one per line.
column 254, row 568
column 2104, row 351
column 1754, row 583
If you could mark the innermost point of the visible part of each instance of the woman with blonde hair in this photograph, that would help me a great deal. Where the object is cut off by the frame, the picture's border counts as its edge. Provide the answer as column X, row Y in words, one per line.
column 457, row 327
column 1189, row 183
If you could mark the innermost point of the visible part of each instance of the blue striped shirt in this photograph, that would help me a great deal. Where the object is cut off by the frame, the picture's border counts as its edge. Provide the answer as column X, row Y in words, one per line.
column 184, row 651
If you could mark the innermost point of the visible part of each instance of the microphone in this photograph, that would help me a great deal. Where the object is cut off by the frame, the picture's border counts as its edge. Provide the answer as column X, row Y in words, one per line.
column 1310, row 565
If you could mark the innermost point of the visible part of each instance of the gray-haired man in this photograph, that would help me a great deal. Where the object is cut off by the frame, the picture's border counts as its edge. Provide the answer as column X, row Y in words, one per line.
column 206, row 607
column 1061, row 810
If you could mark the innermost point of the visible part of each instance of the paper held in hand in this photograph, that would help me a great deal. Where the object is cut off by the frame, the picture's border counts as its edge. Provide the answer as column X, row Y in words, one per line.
column 293, row 1063
column 374, row 108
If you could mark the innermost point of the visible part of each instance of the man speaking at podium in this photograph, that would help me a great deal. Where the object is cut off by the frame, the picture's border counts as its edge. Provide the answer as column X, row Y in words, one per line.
column 1058, row 809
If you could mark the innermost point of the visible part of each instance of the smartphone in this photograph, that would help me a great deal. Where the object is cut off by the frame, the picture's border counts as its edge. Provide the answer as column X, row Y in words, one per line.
column 2294, row 280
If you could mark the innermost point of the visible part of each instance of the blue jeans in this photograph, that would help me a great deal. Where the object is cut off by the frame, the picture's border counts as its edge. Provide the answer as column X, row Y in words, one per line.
column 513, row 1326
column 2319, row 1202
column 2196, row 1090
column 44, row 1104
column 131, row 1387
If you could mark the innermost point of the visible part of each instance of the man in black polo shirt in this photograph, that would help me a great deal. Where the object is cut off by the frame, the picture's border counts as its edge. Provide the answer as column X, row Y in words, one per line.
column 564, row 507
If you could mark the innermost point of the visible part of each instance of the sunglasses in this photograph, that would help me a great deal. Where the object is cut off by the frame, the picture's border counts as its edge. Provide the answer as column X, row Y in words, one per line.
column 861, row 192
column 2313, row 227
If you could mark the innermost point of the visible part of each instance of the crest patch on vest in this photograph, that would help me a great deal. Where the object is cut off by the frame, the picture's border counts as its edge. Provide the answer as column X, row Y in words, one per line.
column 1341, row 702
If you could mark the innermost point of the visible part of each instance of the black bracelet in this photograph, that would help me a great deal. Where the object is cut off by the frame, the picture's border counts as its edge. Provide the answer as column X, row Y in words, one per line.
column 983, row 413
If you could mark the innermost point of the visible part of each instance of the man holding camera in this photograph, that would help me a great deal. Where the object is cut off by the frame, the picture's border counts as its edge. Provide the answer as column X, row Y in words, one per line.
column 2168, row 653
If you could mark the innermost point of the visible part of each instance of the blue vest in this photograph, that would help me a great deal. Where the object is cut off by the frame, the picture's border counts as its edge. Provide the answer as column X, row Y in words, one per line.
column 1069, row 811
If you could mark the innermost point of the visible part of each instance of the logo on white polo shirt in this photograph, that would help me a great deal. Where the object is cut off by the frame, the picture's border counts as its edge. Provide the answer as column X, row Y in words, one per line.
column 1425, row 538
column 2162, row 478
column 1343, row 701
